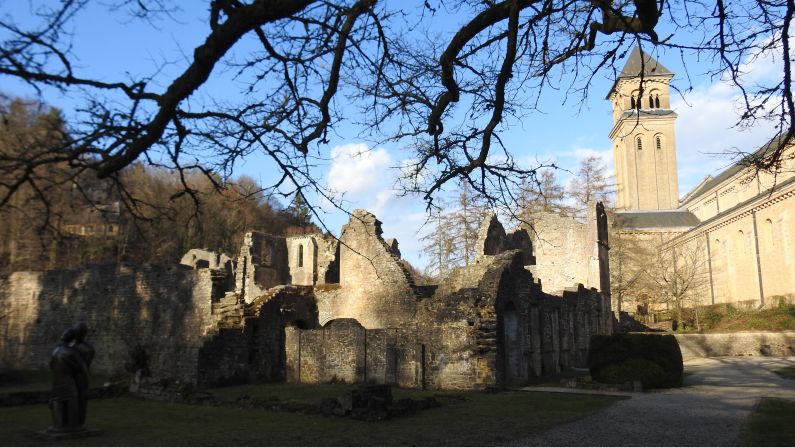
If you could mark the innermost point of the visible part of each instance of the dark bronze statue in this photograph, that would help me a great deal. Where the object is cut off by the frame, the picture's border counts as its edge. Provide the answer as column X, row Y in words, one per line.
column 69, row 364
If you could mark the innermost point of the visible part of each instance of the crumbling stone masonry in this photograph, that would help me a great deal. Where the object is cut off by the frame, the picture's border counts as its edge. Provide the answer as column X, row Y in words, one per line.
column 313, row 309
column 164, row 312
column 489, row 324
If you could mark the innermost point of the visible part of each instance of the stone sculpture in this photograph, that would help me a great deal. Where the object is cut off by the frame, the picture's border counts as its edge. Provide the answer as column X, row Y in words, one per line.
column 69, row 363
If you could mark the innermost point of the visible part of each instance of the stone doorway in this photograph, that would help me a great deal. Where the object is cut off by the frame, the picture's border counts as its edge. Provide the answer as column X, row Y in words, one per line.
column 511, row 346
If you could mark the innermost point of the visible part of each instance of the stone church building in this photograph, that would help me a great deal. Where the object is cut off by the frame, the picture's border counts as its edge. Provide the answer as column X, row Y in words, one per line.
column 733, row 230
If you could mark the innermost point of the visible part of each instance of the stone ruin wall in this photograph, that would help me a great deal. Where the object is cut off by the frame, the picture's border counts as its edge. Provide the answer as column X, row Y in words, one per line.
column 165, row 310
column 313, row 259
column 566, row 251
column 375, row 289
column 254, row 349
column 374, row 325
column 262, row 264
column 456, row 339
column 302, row 253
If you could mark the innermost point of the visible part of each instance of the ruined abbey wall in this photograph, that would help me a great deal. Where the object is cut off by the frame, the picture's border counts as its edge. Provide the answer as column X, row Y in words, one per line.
column 164, row 310
column 374, row 289
column 566, row 251
column 503, row 331
column 262, row 264
column 488, row 324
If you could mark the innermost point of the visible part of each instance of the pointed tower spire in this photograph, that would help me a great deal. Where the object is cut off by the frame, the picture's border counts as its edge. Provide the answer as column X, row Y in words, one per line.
column 643, row 135
column 640, row 64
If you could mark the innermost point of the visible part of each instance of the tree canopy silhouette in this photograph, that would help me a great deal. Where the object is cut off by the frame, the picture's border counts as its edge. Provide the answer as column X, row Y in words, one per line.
column 321, row 63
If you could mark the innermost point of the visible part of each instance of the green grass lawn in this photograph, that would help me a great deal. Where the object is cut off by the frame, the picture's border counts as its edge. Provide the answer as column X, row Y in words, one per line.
column 14, row 381
column 314, row 393
column 770, row 424
column 787, row 372
column 475, row 420
column 728, row 318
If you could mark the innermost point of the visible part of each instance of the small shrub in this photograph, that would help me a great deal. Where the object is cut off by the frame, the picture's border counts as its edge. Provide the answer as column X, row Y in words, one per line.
column 711, row 317
column 732, row 312
column 654, row 360
column 646, row 371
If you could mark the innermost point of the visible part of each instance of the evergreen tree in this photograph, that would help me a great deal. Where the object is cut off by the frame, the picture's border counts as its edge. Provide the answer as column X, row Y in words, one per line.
column 300, row 211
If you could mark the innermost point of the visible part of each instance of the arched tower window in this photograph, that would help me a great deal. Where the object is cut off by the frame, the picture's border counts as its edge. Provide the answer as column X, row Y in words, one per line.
column 639, row 144
column 657, row 101
column 651, row 101
column 301, row 255
column 632, row 101
column 658, row 142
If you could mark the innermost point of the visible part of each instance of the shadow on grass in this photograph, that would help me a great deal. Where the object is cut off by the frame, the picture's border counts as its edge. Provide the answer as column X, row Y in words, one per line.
column 787, row 372
column 770, row 424
column 476, row 420
column 24, row 381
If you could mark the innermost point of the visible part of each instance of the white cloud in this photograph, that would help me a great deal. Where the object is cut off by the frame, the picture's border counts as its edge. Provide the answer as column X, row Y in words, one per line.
column 355, row 168
column 706, row 131
column 366, row 178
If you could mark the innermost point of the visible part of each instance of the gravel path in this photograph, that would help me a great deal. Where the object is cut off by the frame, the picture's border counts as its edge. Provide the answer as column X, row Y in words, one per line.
column 710, row 410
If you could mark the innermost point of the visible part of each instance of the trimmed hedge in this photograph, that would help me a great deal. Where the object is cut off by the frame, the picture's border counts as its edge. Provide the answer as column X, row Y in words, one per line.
column 654, row 360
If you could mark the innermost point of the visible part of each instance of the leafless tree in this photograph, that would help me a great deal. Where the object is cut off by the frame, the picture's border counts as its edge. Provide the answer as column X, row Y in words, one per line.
column 629, row 257
column 448, row 97
column 439, row 245
column 466, row 219
column 544, row 194
column 589, row 185
column 679, row 276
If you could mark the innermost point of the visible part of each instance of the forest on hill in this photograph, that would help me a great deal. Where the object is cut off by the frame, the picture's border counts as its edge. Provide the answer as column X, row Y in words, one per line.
column 151, row 215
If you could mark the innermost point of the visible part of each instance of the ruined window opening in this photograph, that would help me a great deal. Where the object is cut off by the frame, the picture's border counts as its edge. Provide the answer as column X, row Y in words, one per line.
column 301, row 255
column 639, row 144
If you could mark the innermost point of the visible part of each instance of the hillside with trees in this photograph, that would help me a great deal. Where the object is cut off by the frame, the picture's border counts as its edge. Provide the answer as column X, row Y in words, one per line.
column 148, row 216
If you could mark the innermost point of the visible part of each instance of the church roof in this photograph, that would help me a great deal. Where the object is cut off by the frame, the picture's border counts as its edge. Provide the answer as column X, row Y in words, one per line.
column 640, row 64
column 656, row 219
column 710, row 182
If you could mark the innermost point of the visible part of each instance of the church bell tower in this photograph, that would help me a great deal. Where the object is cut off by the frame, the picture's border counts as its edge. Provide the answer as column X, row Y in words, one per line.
column 644, row 149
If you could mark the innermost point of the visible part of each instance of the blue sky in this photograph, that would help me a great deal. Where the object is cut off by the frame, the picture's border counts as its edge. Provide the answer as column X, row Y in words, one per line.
column 111, row 46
